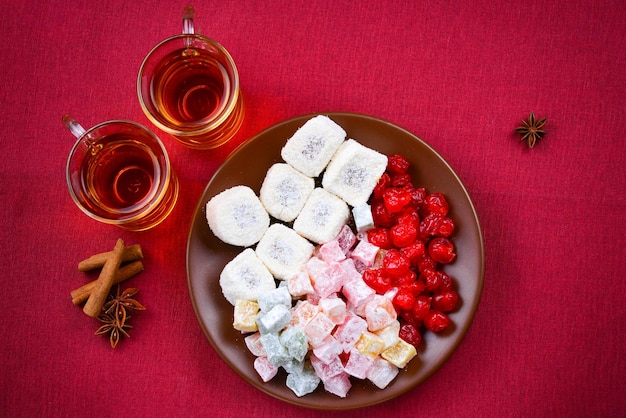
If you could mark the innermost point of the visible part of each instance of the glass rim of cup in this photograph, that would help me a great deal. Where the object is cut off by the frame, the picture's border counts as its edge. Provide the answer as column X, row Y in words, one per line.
column 157, row 192
column 199, row 128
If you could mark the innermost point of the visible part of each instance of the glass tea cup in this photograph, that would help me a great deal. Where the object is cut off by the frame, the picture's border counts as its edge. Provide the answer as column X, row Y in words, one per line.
column 188, row 86
column 118, row 172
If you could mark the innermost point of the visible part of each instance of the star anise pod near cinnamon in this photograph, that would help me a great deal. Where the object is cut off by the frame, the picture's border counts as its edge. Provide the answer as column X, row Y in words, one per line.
column 113, row 327
column 119, row 304
column 531, row 130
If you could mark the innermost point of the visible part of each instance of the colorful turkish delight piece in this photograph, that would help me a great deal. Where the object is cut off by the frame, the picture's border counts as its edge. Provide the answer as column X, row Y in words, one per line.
column 295, row 341
column 348, row 333
column 382, row 373
column 358, row 364
column 253, row 342
column 400, row 354
column 299, row 284
column 369, row 344
column 265, row 368
column 318, row 329
column 304, row 382
column 244, row 315
column 379, row 313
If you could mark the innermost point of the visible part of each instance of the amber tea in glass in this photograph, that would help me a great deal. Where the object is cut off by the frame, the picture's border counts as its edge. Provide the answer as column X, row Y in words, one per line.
column 119, row 173
column 188, row 86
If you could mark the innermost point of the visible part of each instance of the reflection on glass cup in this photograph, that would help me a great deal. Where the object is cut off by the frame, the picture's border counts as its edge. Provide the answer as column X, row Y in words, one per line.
column 118, row 172
column 188, row 86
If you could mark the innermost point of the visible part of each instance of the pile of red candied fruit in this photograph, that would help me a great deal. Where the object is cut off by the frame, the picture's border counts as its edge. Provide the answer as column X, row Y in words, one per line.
column 413, row 229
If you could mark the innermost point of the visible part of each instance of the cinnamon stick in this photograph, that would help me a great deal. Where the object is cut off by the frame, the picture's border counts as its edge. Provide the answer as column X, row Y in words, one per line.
column 98, row 296
column 125, row 272
column 131, row 253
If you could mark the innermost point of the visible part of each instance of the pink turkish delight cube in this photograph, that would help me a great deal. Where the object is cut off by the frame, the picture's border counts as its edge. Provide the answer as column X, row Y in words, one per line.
column 331, row 252
column 346, row 239
column 358, row 364
column 379, row 313
column 365, row 253
column 382, row 373
column 326, row 369
column 338, row 385
column 348, row 333
column 300, row 284
column 330, row 281
column 265, row 368
column 335, row 308
column 318, row 329
column 253, row 342
column 357, row 292
column 303, row 313
column 328, row 349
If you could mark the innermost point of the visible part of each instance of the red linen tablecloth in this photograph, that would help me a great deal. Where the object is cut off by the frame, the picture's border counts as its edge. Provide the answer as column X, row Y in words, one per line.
column 548, row 336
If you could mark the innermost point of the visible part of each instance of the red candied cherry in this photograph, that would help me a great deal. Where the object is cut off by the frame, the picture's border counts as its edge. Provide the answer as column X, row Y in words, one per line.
column 395, row 264
column 445, row 228
column 380, row 238
column 418, row 195
column 381, row 186
column 397, row 164
column 410, row 334
column 401, row 180
column 403, row 300
column 406, row 317
column 441, row 250
column 414, row 251
column 377, row 280
column 404, row 279
column 429, row 225
column 436, row 203
column 446, row 281
column 402, row 234
column 381, row 215
column 436, row 321
column 416, row 287
column 395, row 199
column 408, row 215
column 432, row 279
column 421, row 307
column 445, row 301
column 426, row 262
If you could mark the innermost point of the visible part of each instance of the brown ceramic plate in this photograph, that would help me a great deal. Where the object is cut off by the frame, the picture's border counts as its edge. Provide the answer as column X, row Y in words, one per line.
column 207, row 255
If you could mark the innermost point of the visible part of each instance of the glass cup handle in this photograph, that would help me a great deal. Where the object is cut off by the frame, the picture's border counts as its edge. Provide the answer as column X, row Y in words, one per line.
column 75, row 128
column 188, row 13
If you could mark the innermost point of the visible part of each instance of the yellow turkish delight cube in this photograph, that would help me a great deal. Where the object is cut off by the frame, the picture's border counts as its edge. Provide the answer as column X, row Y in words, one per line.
column 370, row 344
column 245, row 315
column 399, row 354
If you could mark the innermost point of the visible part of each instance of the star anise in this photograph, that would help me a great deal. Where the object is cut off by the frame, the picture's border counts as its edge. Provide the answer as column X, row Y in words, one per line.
column 118, row 304
column 531, row 130
column 113, row 327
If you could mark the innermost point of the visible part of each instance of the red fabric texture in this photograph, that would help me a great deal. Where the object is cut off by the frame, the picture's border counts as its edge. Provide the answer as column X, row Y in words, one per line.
column 548, row 337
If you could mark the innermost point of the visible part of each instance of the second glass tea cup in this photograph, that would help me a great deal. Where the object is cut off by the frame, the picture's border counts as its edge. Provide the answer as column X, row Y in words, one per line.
column 188, row 86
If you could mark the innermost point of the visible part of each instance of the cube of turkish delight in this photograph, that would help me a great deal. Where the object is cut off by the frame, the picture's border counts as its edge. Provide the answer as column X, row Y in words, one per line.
column 331, row 252
column 334, row 308
column 304, row 382
column 265, row 368
column 358, row 364
column 363, row 219
column 389, row 334
column 277, row 354
column 369, row 344
column 365, row 253
column 303, row 313
column 274, row 320
column 379, row 313
column 295, row 342
column 299, row 284
column 346, row 239
column 331, row 281
column 328, row 349
column 244, row 316
column 348, row 333
column 318, row 329
column 278, row 296
column 399, row 354
column 253, row 342
column 338, row 385
column 382, row 373
column 326, row 369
